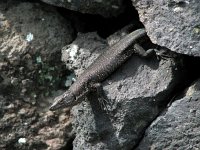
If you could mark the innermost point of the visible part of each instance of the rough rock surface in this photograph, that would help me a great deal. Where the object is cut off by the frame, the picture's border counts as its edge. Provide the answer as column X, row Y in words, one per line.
column 24, row 127
column 31, row 36
column 102, row 7
column 136, row 92
column 31, row 29
column 86, row 48
column 172, row 23
column 179, row 127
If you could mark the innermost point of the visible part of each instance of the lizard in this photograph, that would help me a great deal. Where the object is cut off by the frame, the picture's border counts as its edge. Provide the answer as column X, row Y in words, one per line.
column 101, row 68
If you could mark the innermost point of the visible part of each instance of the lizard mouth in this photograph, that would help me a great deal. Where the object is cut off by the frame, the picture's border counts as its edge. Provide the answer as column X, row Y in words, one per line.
column 62, row 101
column 59, row 102
column 56, row 105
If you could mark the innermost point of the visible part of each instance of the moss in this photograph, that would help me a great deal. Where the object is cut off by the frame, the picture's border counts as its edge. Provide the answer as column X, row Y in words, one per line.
column 49, row 75
column 196, row 29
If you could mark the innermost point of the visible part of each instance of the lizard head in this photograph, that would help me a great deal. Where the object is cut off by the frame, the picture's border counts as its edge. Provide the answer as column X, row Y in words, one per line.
column 65, row 100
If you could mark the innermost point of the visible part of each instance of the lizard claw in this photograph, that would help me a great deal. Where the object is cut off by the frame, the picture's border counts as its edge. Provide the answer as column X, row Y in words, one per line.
column 105, row 104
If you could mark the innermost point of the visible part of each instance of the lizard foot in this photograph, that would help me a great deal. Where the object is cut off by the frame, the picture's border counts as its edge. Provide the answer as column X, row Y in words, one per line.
column 104, row 102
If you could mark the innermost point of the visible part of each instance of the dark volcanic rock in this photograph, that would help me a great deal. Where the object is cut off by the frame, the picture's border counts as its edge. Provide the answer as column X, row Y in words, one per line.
column 102, row 7
column 172, row 23
column 24, row 127
column 136, row 92
column 31, row 28
column 179, row 126
column 31, row 38
column 31, row 35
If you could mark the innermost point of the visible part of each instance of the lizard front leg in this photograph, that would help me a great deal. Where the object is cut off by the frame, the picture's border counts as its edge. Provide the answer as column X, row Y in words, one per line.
column 97, row 88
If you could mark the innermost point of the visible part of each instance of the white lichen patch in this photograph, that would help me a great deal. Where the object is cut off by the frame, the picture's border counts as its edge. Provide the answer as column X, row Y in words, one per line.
column 39, row 59
column 29, row 37
column 70, row 79
column 22, row 140
column 178, row 9
column 73, row 50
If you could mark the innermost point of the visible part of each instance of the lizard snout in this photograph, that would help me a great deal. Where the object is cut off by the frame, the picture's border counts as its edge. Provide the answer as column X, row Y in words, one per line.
column 62, row 101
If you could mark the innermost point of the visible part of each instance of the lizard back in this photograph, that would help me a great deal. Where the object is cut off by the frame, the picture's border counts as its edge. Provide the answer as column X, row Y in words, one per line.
column 107, row 62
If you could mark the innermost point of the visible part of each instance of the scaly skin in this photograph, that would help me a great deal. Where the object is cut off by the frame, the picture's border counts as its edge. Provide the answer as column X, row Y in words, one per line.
column 98, row 71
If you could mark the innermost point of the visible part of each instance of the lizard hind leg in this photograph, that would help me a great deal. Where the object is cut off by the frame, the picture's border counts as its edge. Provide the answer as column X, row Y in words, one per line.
column 103, row 100
column 141, row 52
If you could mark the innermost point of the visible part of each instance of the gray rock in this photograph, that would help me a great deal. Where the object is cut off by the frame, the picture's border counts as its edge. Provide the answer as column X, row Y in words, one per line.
column 83, row 51
column 30, row 30
column 102, row 7
column 31, row 38
column 179, row 127
column 136, row 92
column 172, row 23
